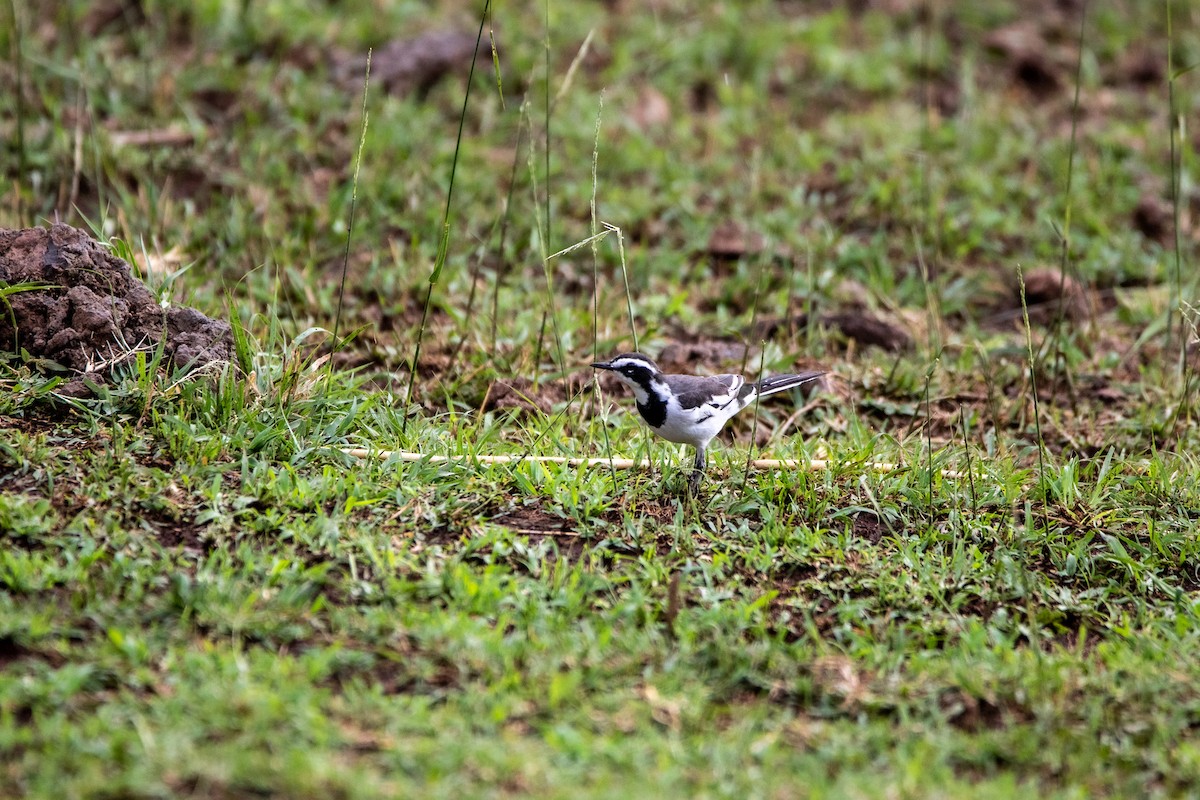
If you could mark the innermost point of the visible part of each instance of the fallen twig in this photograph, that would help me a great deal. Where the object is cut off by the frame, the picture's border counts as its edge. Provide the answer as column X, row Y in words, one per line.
column 618, row 463
column 815, row 464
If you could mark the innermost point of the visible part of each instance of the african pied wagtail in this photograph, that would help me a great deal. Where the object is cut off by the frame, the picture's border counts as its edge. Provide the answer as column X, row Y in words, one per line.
column 689, row 409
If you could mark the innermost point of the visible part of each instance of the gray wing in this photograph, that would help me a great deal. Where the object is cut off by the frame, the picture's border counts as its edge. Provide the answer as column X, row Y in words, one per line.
column 694, row 392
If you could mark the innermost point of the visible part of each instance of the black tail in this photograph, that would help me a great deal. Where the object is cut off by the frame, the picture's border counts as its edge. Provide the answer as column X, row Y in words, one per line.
column 781, row 383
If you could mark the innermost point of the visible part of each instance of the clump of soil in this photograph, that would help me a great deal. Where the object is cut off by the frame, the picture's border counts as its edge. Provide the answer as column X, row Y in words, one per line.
column 1023, row 45
column 688, row 356
column 92, row 313
column 1049, row 293
column 405, row 66
column 860, row 325
column 730, row 241
column 1155, row 218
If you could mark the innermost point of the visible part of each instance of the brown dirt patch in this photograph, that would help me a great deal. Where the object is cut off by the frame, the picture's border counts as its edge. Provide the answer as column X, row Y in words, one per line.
column 1154, row 216
column 538, row 524
column 12, row 651
column 860, row 326
column 731, row 240
column 54, row 422
column 1050, row 292
column 530, row 520
column 94, row 314
column 868, row 527
column 687, row 356
column 179, row 533
column 976, row 714
column 523, row 394
column 1028, row 58
column 868, row 330
column 405, row 66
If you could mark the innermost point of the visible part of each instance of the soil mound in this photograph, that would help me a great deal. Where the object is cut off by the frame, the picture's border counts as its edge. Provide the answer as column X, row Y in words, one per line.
column 92, row 313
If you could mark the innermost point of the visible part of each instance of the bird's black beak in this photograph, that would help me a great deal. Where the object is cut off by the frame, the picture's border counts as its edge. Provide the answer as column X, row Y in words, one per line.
column 602, row 365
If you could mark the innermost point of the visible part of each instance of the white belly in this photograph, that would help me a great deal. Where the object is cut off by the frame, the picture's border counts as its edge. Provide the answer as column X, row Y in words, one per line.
column 689, row 426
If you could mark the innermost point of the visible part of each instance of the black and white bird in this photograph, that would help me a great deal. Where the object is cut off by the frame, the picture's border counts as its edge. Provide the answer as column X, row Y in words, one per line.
column 690, row 409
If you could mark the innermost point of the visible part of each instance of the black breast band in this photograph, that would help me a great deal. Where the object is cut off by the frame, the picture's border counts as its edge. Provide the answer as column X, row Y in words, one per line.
column 654, row 411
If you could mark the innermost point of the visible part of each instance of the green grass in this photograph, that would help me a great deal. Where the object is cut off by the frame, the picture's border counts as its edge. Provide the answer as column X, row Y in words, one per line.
column 202, row 595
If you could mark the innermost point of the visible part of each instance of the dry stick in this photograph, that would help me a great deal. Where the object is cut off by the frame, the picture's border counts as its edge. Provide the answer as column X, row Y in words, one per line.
column 444, row 239
column 614, row 463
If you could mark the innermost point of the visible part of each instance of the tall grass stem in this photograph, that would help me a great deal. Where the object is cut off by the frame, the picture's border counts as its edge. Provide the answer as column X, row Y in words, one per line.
column 444, row 239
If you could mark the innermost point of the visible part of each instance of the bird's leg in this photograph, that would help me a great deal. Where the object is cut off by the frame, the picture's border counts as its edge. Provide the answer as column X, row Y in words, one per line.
column 697, row 472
